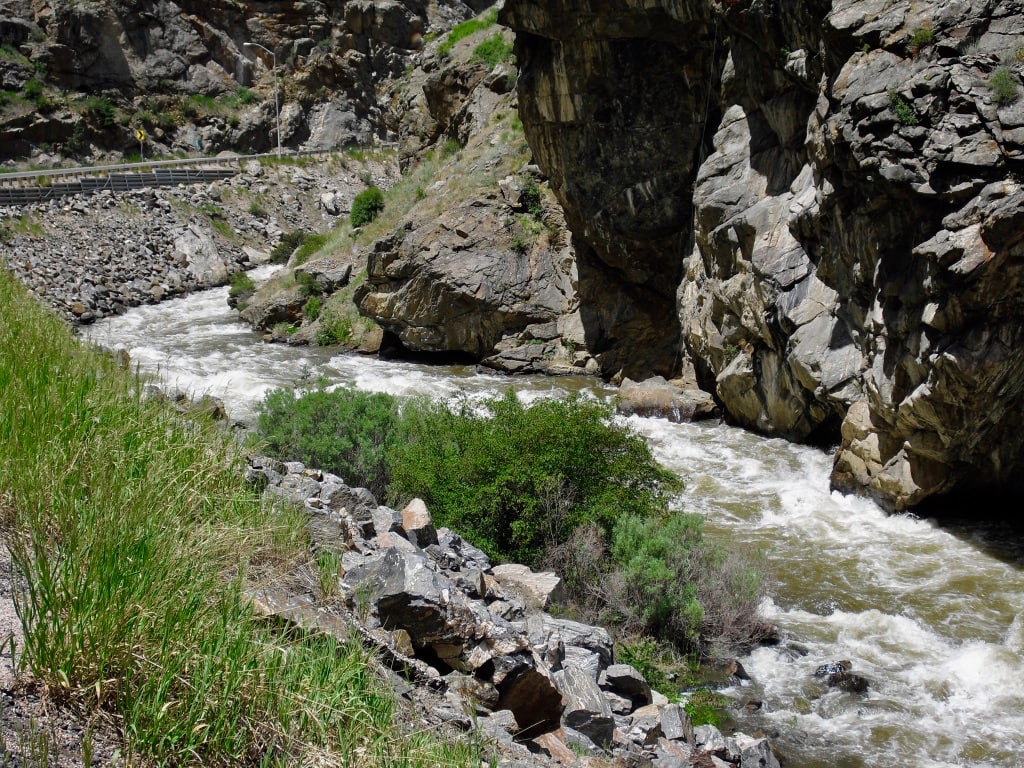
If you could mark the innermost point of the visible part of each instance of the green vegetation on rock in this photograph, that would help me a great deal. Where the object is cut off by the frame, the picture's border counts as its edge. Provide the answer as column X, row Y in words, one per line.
column 557, row 483
column 1004, row 86
column 366, row 206
column 494, row 50
column 343, row 430
column 466, row 28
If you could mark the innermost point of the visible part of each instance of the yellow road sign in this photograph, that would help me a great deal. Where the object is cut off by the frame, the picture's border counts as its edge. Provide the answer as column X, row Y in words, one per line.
column 140, row 134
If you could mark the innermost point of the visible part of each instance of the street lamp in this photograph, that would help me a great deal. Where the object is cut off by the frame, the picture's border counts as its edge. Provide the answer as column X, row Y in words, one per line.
column 277, row 109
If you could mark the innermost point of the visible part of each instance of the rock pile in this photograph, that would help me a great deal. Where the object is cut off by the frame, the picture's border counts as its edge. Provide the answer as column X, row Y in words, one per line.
column 475, row 638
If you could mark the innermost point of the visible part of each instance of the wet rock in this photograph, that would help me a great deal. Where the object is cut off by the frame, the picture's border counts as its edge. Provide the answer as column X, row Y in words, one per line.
column 658, row 398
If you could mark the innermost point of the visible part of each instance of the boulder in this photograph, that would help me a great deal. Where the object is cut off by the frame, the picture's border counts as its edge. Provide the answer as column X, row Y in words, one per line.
column 417, row 525
column 197, row 250
column 586, row 709
column 626, row 681
column 658, row 398
column 539, row 589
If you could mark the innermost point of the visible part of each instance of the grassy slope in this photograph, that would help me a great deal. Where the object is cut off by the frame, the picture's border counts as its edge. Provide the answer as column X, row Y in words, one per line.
column 134, row 532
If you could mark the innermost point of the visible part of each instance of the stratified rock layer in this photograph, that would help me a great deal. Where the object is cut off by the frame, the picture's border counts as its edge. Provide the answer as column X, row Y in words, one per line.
column 822, row 201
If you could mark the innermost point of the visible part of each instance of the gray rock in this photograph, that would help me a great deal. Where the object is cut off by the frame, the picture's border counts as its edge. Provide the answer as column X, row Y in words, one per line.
column 626, row 681
column 755, row 753
column 586, row 709
column 676, row 724
column 538, row 588
column 573, row 633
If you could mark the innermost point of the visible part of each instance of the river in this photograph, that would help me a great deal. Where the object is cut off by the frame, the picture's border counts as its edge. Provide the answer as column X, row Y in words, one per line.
column 932, row 616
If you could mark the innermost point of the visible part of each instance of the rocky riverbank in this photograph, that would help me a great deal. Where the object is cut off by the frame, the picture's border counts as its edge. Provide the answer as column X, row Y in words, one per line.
column 472, row 644
column 90, row 256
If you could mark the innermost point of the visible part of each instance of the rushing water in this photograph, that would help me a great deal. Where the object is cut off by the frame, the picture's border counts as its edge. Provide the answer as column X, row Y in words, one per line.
column 932, row 616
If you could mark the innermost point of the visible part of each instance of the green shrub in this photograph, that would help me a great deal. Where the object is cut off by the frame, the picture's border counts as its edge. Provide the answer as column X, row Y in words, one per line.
column 241, row 284
column 366, row 206
column 531, row 198
column 101, row 109
column 656, row 557
column 518, row 479
column 344, row 431
column 307, row 284
column 335, row 328
column 673, row 584
column 257, row 210
column 494, row 50
column 311, row 309
column 1003, row 85
column 921, row 37
column 310, row 245
column 904, row 112
column 286, row 246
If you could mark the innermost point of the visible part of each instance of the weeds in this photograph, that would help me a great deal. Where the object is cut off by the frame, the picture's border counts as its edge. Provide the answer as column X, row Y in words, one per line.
column 494, row 50
column 1003, row 85
column 464, row 29
column 134, row 531
column 905, row 113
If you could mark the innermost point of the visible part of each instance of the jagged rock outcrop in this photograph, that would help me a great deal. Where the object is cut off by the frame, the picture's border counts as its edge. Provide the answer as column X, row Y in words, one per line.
column 454, row 282
column 147, row 59
column 833, row 188
column 481, row 265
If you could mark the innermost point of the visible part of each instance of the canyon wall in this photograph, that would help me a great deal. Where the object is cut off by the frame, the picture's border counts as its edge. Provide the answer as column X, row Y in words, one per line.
column 816, row 205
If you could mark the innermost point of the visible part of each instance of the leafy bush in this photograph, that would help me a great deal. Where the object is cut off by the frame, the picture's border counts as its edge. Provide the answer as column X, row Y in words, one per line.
column 904, row 112
column 921, row 37
column 1003, row 86
column 345, row 431
column 334, row 329
column 366, row 206
column 518, row 479
column 311, row 309
column 657, row 559
column 494, row 50
column 289, row 241
column 100, row 109
column 671, row 583
column 531, row 198
column 241, row 284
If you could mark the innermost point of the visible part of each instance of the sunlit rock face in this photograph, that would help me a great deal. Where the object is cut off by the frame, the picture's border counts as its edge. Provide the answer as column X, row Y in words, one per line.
column 818, row 205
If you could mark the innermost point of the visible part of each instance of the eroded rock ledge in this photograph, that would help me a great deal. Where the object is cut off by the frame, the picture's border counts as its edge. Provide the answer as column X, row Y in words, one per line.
column 817, row 204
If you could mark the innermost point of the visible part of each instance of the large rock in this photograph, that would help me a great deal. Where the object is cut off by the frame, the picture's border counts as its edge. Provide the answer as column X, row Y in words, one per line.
column 832, row 236
column 454, row 282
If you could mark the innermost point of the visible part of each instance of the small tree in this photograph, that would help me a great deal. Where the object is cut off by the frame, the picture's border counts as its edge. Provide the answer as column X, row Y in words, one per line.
column 366, row 206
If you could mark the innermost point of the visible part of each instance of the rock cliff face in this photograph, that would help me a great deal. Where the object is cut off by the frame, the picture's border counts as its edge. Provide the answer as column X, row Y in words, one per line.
column 147, row 61
column 818, row 204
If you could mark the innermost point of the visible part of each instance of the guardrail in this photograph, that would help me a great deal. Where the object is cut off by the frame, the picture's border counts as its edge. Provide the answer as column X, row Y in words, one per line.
column 24, row 187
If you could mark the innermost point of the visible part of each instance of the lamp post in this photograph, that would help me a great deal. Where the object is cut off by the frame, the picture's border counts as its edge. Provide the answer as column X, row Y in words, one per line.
column 277, row 109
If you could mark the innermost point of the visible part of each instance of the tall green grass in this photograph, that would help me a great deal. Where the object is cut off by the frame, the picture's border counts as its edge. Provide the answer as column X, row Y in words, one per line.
column 133, row 536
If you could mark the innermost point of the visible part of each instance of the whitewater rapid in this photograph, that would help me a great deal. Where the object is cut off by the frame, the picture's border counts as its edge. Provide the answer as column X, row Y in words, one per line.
column 932, row 616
